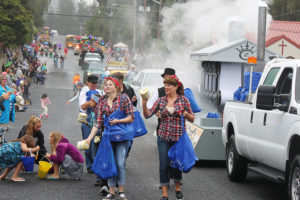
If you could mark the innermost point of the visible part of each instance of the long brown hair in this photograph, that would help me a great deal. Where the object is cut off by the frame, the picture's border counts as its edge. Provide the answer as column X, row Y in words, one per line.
column 173, row 80
column 31, row 123
column 56, row 137
column 27, row 139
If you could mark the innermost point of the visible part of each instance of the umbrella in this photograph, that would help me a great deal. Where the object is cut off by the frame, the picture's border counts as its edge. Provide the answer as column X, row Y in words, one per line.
column 33, row 45
column 90, row 36
column 46, row 43
column 120, row 45
column 27, row 47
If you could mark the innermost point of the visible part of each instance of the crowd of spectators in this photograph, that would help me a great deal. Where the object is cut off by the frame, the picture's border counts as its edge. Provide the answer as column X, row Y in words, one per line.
column 21, row 69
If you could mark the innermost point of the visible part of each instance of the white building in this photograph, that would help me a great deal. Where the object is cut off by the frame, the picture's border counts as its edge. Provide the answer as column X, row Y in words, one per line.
column 283, row 38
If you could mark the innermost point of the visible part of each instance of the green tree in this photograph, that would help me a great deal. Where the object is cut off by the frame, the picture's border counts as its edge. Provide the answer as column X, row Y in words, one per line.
column 36, row 7
column 16, row 22
column 285, row 10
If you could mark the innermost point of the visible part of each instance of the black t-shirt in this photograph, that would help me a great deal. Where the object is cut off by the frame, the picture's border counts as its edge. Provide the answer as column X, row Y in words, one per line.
column 130, row 92
column 38, row 137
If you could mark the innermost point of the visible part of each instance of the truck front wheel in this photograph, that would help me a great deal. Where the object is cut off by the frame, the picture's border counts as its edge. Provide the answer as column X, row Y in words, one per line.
column 236, row 164
column 294, row 179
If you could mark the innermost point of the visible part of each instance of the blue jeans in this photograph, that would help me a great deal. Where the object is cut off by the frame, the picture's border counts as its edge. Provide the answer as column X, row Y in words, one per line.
column 164, row 163
column 120, row 151
column 85, row 129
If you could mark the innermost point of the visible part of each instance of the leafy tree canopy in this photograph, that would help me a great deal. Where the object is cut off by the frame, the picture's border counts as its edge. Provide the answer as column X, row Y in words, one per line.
column 285, row 10
column 16, row 22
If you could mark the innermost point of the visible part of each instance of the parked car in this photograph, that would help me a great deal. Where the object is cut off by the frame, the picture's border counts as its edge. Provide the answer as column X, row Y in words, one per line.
column 93, row 68
column 149, row 78
column 263, row 135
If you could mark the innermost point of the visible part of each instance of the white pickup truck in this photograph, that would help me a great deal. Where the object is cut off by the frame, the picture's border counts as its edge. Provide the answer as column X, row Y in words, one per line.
column 263, row 134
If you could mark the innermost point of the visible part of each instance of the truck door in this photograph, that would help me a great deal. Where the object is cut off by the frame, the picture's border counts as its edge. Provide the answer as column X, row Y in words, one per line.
column 268, row 129
column 257, row 134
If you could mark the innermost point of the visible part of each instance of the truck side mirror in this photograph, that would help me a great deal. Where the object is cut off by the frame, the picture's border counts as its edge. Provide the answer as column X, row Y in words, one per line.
column 265, row 97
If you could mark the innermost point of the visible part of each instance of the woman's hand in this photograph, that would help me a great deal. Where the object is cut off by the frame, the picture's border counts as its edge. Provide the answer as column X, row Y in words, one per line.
column 188, row 116
column 5, row 96
column 48, row 156
column 114, row 121
column 54, row 153
column 185, row 114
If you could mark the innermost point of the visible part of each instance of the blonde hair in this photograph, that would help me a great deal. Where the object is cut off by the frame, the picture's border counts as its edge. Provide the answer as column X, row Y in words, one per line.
column 31, row 123
column 56, row 137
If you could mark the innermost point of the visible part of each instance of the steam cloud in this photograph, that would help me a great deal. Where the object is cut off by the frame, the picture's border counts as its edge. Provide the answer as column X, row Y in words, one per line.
column 197, row 24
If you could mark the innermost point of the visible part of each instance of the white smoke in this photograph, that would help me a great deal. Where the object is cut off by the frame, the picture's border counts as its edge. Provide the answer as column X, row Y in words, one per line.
column 199, row 23
column 191, row 26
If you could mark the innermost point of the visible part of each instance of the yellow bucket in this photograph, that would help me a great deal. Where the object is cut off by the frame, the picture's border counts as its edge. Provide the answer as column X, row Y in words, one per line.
column 44, row 168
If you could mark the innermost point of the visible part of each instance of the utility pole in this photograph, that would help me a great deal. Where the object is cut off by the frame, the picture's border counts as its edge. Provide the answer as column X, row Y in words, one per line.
column 159, row 19
column 134, row 24
column 144, row 22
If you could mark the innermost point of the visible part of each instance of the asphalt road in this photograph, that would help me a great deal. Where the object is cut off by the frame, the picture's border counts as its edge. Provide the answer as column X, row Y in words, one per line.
column 206, row 181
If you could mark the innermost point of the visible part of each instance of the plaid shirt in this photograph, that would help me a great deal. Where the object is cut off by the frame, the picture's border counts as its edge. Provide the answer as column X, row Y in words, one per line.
column 170, row 128
column 104, row 109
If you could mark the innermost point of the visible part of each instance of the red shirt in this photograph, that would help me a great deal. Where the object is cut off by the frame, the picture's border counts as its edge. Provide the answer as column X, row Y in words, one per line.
column 104, row 109
column 66, row 50
column 170, row 128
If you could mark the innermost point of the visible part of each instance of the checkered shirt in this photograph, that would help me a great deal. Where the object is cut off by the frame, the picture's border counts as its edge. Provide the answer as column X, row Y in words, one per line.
column 104, row 109
column 170, row 128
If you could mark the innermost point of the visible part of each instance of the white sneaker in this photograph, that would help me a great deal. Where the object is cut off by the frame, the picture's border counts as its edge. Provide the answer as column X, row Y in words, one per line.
column 122, row 196
column 109, row 197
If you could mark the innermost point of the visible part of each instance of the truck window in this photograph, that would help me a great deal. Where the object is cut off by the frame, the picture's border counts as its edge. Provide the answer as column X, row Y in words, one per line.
column 271, row 76
column 297, row 92
column 284, row 84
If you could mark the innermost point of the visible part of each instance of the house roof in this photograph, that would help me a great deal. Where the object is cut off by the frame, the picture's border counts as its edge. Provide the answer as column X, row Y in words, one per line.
column 287, row 30
column 237, row 51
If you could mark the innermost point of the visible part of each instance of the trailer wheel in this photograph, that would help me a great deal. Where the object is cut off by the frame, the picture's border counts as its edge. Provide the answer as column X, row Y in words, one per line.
column 294, row 179
column 236, row 165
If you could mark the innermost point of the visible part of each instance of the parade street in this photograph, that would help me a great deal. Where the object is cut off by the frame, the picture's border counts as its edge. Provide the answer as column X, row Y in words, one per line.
column 207, row 181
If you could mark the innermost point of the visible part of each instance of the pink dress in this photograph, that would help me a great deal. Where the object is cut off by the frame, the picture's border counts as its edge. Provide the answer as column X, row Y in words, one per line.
column 45, row 102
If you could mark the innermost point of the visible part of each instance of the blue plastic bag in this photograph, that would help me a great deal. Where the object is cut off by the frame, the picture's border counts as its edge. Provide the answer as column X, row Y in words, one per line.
column 104, row 163
column 118, row 132
column 182, row 153
column 212, row 115
column 255, row 80
column 139, row 125
column 237, row 94
column 189, row 94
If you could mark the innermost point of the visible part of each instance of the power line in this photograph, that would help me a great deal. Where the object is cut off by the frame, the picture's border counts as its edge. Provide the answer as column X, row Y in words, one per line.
column 284, row 14
column 72, row 15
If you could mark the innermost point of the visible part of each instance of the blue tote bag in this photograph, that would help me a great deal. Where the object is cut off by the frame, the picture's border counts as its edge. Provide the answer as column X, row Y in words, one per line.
column 139, row 125
column 182, row 153
column 118, row 132
column 104, row 163
column 189, row 94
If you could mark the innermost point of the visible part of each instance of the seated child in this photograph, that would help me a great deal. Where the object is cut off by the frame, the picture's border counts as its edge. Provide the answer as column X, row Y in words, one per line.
column 64, row 155
column 11, row 153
